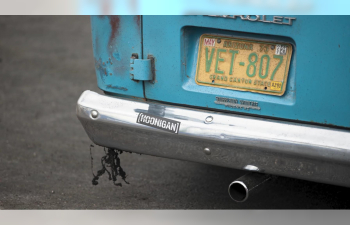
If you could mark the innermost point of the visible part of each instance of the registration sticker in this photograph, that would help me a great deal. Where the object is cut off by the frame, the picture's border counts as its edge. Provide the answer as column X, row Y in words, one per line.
column 275, row 85
column 281, row 50
column 209, row 42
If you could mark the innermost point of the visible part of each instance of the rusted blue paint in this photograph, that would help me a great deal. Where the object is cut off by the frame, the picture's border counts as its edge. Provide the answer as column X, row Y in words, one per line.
column 115, row 39
column 318, row 86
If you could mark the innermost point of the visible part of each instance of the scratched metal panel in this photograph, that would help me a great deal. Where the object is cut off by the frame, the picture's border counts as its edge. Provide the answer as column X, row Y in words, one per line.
column 114, row 40
column 318, row 87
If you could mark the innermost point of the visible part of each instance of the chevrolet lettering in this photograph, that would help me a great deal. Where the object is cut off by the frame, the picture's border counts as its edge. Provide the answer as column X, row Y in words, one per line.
column 257, row 18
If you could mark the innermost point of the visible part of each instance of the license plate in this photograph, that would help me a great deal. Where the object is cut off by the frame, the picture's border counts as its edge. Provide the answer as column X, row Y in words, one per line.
column 243, row 64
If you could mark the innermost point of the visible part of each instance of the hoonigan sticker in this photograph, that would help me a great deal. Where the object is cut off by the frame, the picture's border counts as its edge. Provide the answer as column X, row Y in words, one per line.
column 159, row 122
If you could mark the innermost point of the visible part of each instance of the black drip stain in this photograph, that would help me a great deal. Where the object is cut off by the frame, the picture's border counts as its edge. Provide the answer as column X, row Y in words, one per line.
column 111, row 160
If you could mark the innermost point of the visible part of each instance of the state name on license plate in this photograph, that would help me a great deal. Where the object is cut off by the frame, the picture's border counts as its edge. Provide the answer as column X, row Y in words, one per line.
column 243, row 64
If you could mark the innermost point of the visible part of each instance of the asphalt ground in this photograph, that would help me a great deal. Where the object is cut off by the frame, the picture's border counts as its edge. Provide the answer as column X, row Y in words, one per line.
column 46, row 62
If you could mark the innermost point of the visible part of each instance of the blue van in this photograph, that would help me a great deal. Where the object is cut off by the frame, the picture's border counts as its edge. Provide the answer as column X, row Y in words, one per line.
column 268, row 94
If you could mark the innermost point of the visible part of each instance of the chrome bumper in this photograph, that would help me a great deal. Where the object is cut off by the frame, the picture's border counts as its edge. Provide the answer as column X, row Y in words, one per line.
column 241, row 142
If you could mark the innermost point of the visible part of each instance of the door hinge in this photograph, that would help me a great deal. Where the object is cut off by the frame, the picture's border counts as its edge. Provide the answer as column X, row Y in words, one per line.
column 141, row 69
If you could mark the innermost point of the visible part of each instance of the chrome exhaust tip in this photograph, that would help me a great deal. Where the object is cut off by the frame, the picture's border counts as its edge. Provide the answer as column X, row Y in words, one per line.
column 240, row 188
column 238, row 191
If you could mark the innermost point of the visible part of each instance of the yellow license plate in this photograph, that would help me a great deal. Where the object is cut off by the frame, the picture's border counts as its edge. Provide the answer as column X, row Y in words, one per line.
column 242, row 64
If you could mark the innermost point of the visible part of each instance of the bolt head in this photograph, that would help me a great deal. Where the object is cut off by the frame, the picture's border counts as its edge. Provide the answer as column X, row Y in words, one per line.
column 207, row 151
column 209, row 119
column 94, row 114
column 272, row 47
column 219, row 40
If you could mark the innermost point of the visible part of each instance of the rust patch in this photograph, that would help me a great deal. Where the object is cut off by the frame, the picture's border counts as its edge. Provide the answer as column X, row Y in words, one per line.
column 137, row 19
column 138, row 98
column 114, row 21
column 100, row 69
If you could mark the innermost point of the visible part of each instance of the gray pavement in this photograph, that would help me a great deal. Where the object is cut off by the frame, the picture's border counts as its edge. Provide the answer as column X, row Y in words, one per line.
column 46, row 62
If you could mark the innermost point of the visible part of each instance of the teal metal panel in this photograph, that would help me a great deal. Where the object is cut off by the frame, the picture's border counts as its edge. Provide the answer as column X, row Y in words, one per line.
column 318, row 86
column 115, row 39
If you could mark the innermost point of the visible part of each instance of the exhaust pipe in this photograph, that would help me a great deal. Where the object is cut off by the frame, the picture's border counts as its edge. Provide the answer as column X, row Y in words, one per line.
column 240, row 188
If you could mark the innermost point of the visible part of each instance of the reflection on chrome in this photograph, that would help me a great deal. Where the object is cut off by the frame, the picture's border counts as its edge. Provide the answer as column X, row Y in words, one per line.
column 243, row 142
